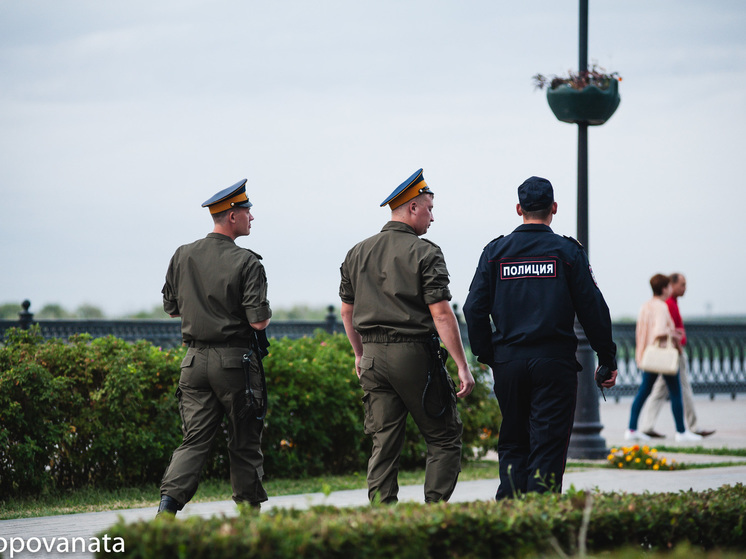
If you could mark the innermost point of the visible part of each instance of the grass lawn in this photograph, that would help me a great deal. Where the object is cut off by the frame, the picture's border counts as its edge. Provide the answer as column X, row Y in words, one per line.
column 95, row 499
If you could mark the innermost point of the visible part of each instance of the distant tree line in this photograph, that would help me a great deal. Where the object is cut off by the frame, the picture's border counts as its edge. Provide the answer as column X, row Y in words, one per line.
column 9, row 311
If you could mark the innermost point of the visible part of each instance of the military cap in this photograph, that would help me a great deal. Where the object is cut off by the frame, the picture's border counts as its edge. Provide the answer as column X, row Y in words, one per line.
column 535, row 194
column 232, row 197
column 410, row 188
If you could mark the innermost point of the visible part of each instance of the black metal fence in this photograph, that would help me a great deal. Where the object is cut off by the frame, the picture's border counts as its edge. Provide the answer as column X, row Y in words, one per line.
column 716, row 352
column 164, row 333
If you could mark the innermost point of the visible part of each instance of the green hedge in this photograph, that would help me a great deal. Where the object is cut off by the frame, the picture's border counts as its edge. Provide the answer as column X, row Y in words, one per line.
column 85, row 412
column 102, row 412
column 524, row 527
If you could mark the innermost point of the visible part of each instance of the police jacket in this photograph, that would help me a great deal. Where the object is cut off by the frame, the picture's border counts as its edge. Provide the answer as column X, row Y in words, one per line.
column 533, row 283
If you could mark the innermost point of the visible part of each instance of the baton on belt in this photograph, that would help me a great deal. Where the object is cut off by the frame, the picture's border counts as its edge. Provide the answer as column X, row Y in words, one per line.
column 439, row 382
column 251, row 399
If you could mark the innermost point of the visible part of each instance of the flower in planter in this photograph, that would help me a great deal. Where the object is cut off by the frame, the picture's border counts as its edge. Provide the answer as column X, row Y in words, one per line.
column 640, row 458
column 578, row 80
column 587, row 97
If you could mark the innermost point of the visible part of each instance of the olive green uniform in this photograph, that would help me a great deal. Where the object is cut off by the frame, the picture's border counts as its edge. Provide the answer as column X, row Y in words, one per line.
column 218, row 289
column 390, row 279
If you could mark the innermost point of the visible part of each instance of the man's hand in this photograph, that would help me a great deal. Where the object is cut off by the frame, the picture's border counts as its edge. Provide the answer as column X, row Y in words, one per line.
column 605, row 378
column 466, row 382
column 356, row 341
column 612, row 381
column 448, row 330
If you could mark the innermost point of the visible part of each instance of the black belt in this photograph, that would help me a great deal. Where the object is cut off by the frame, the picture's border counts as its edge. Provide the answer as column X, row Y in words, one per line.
column 207, row 345
column 393, row 338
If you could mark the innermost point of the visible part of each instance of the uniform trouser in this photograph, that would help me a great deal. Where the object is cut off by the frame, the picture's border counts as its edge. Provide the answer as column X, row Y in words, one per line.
column 212, row 385
column 393, row 377
column 659, row 395
column 537, row 400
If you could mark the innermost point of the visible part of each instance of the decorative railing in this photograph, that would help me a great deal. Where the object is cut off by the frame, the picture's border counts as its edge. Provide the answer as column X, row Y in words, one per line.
column 164, row 333
column 716, row 353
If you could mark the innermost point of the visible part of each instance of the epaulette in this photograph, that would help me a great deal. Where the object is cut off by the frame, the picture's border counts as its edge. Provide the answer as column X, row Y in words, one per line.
column 259, row 256
column 574, row 240
column 493, row 240
column 429, row 241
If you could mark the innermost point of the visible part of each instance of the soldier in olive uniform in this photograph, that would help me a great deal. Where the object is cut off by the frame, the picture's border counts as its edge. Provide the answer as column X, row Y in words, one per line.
column 395, row 297
column 220, row 292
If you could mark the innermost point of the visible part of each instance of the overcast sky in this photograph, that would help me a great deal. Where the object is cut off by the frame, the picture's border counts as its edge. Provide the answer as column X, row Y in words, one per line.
column 118, row 119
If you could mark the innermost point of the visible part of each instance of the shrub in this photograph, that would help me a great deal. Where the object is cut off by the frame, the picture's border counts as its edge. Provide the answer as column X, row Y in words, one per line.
column 87, row 411
column 103, row 412
column 537, row 525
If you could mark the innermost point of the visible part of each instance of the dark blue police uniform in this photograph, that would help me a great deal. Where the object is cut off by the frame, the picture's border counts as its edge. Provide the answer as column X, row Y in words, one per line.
column 532, row 283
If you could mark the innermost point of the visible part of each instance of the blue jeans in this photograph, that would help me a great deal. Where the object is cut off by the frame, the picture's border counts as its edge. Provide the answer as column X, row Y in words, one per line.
column 674, row 390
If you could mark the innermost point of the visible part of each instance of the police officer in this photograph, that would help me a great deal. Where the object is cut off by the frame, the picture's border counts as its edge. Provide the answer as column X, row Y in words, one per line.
column 220, row 292
column 532, row 283
column 395, row 297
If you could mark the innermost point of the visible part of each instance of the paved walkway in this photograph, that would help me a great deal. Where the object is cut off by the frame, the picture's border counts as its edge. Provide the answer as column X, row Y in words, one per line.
column 727, row 416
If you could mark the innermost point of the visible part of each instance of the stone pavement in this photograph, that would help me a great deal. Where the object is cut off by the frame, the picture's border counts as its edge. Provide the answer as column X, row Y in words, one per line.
column 727, row 416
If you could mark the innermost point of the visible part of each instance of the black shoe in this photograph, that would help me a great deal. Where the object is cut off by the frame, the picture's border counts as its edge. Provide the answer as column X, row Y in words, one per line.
column 168, row 506
column 704, row 433
column 654, row 435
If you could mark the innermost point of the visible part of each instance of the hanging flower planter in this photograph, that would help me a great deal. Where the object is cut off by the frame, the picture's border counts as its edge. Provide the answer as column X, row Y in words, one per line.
column 590, row 105
column 589, row 97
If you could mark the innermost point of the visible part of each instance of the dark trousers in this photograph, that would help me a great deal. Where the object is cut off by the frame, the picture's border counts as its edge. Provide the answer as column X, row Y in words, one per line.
column 211, row 386
column 393, row 378
column 537, row 399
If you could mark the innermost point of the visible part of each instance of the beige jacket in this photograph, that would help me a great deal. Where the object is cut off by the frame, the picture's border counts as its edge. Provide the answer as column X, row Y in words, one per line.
column 653, row 321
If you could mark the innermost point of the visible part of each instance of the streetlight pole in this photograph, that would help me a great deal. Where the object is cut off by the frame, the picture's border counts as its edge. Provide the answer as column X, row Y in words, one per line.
column 586, row 440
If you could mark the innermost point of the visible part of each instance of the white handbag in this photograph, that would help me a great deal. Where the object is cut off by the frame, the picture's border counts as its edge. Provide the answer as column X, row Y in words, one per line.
column 660, row 359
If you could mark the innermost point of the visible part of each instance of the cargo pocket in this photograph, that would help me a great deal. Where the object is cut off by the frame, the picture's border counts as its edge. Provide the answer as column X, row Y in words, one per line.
column 366, row 364
column 368, row 424
column 456, row 426
column 232, row 358
column 189, row 376
column 188, row 360
column 181, row 410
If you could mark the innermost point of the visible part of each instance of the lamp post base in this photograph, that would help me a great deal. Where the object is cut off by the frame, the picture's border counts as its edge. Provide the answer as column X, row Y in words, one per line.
column 586, row 440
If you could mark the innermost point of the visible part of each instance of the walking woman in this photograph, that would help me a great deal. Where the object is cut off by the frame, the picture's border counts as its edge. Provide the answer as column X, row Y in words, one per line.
column 654, row 324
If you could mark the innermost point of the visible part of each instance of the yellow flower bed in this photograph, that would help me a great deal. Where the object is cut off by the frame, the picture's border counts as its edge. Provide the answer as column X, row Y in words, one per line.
column 639, row 458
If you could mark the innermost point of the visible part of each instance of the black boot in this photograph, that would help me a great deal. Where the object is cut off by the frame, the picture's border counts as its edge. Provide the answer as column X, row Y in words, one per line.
column 168, row 506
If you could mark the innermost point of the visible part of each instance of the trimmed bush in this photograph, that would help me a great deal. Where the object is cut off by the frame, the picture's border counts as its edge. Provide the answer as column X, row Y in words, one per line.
column 103, row 412
column 90, row 411
column 516, row 528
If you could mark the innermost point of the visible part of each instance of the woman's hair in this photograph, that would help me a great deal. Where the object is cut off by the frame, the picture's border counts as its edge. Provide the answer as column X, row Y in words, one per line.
column 659, row 282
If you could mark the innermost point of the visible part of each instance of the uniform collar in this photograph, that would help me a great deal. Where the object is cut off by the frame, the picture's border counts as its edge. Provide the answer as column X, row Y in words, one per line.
column 219, row 237
column 533, row 227
column 398, row 226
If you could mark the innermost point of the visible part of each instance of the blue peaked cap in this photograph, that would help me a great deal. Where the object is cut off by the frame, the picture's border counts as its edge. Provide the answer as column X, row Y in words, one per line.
column 410, row 188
